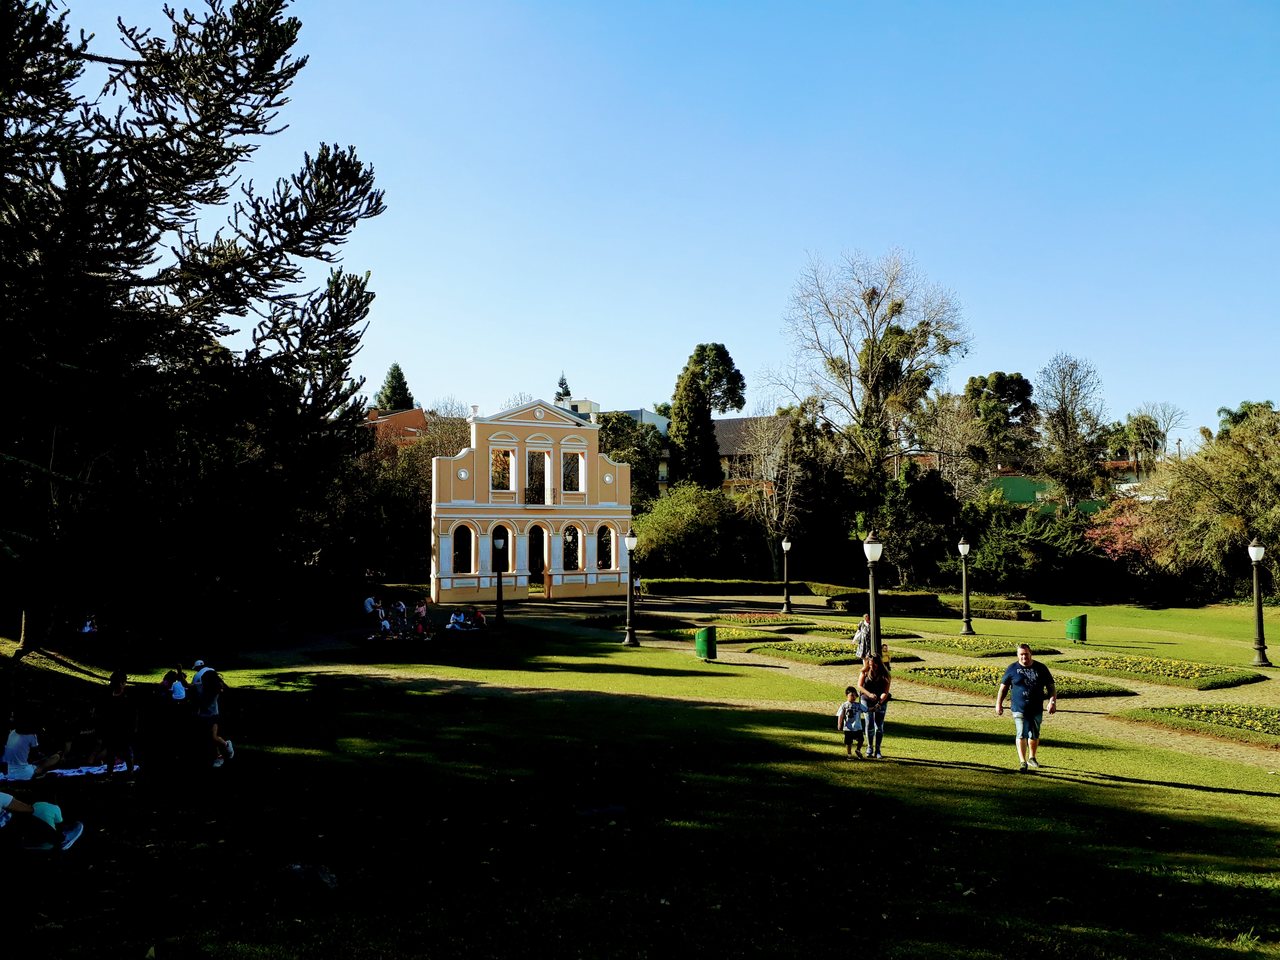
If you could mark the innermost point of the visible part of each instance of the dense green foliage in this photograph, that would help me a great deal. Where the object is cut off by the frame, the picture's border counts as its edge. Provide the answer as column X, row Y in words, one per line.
column 691, row 530
column 709, row 382
column 394, row 394
column 145, row 459
column 639, row 445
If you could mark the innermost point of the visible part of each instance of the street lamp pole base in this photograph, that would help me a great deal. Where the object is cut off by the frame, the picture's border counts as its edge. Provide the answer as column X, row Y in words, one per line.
column 786, row 607
column 630, row 639
column 1260, row 659
column 967, row 630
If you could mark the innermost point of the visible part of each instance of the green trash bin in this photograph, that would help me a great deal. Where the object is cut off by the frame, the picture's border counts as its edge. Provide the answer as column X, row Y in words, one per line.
column 1078, row 628
column 704, row 643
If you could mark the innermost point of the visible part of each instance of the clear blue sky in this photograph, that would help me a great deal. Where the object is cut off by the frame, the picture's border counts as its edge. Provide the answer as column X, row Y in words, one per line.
column 597, row 187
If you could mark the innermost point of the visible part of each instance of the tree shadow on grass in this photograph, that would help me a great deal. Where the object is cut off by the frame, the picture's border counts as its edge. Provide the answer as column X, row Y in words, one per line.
column 420, row 818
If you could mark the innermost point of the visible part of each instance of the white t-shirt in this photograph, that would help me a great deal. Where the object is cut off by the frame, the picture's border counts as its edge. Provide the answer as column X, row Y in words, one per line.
column 17, row 755
column 178, row 691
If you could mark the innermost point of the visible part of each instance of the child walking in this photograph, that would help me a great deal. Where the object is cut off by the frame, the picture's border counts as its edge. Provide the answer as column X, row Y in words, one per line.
column 849, row 720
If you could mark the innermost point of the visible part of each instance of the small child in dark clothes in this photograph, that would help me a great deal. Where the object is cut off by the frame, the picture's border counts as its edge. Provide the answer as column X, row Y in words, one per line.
column 849, row 720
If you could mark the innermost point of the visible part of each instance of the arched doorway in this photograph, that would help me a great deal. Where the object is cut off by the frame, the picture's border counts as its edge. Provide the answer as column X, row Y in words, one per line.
column 537, row 552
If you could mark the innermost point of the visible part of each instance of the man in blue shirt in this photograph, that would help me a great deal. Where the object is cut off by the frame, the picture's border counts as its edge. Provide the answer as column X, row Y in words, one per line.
column 1029, row 681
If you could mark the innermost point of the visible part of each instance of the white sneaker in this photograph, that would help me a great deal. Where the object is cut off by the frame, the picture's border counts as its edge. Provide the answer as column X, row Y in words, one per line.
column 217, row 763
column 1032, row 764
column 1022, row 767
column 231, row 750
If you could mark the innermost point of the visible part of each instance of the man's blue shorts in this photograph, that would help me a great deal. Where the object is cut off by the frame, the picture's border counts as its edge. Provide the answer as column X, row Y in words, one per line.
column 1027, row 725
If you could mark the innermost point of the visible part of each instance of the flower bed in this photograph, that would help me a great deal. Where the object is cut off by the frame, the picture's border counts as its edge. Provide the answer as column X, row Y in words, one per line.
column 985, row 680
column 723, row 634
column 816, row 651
column 975, row 647
column 1171, row 673
column 846, row 633
column 761, row 619
column 1229, row 721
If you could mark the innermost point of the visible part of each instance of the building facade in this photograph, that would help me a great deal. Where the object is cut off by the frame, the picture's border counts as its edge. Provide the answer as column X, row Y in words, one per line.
column 534, row 478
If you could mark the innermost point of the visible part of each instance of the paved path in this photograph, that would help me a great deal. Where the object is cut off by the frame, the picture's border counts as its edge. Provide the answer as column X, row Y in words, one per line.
column 1093, row 716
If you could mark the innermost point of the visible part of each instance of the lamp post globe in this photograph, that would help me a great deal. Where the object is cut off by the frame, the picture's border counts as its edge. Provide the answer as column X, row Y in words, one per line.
column 499, row 566
column 1256, row 552
column 966, row 629
column 873, row 548
column 630, row 541
column 786, row 576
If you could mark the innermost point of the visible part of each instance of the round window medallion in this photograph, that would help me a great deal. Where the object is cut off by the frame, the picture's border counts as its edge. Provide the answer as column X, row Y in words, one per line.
column 608, row 478
column 463, row 474
column 539, row 413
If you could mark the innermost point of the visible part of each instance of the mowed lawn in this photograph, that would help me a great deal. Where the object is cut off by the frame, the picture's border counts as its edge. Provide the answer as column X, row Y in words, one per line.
column 568, row 797
column 1220, row 633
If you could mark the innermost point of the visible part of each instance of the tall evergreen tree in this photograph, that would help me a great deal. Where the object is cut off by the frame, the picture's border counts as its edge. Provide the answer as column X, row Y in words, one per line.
column 394, row 394
column 709, row 381
column 200, row 470
column 562, row 391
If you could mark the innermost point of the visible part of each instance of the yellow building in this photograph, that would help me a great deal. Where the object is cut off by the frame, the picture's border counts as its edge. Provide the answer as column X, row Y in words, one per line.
column 533, row 477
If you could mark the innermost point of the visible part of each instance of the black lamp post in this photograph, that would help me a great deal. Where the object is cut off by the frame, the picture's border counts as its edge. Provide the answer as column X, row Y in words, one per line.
column 1256, row 550
column 872, row 547
column 786, row 577
column 630, row 639
column 967, row 629
column 499, row 564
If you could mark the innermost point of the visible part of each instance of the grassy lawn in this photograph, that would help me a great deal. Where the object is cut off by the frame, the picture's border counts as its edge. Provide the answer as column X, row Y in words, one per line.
column 576, row 799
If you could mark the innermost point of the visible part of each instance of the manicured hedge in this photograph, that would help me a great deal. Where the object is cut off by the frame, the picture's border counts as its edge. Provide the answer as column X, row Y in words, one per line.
column 846, row 633
column 640, row 621
column 723, row 634
column 1228, row 721
column 892, row 603
column 985, row 680
column 760, row 619
column 685, row 587
column 975, row 646
column 996, row 613
column 815, row 651
column 1169, row 673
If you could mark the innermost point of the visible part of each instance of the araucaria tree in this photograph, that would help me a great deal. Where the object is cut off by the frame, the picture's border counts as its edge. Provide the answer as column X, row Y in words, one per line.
column 870, row 337
column 394, row 394
column 710, row 381
column 156, row 460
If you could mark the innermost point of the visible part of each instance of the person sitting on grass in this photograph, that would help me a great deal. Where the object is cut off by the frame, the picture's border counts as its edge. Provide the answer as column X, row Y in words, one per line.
column 19, row 761
column 36, row 826
column 458, row 621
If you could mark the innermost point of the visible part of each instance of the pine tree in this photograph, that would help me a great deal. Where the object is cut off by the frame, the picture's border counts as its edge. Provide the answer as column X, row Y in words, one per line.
column 394, row 394
column 563, row 392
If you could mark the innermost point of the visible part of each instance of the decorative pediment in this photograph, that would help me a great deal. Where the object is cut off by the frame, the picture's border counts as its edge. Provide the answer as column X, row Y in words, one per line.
column 542, row 413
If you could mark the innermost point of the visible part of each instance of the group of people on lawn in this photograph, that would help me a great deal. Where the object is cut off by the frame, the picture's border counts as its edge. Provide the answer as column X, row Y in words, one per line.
column 398, row 622
column 178, row 721
column 861, row 716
